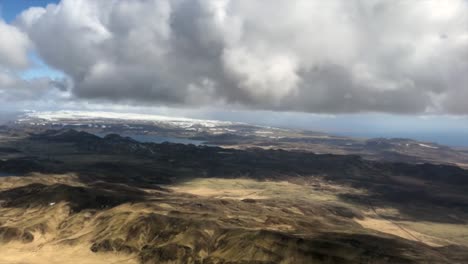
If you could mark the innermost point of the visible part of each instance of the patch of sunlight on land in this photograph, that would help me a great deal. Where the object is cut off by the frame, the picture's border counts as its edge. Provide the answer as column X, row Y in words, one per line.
column 435, row 234
column 453, row 233
column 252, row 189
column 396, row 229
column 47, row 179
column 16, row 253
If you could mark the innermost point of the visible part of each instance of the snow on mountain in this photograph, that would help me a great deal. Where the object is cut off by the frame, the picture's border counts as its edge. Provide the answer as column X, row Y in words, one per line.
column 76, row 116
column 427, row 146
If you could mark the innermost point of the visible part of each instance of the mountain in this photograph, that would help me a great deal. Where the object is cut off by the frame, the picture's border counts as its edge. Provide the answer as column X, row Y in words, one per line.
column 153, row 128
column 69, row 195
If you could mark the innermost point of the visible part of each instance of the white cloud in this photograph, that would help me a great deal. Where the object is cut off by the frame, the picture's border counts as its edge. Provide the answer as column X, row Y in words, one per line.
column 297, row 55
column 14, row 46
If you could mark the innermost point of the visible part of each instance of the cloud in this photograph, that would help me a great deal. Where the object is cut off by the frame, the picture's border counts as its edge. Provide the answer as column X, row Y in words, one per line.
column 16, row 92
column 14, row 46
column 14, row 89
column 298, row 55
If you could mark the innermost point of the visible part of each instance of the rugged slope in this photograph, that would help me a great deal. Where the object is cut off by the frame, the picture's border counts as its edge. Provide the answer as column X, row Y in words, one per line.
column 175, row 227
column 114, row 199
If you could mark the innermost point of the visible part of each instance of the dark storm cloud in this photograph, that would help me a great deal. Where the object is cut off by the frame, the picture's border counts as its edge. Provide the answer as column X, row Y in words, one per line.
column 296, row 55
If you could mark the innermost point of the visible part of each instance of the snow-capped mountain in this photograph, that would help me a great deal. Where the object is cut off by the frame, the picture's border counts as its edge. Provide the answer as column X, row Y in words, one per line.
column 133, row 123
column 91, row 116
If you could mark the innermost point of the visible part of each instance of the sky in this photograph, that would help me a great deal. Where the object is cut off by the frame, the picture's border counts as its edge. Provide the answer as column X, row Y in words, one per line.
column 365, row 68
column 11, row 8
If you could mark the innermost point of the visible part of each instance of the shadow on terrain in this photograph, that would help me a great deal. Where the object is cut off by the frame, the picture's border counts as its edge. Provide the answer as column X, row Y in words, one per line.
column 95, row 196
column 115, row 159
column 417, row 205
column 152, row 238
column 113, row 169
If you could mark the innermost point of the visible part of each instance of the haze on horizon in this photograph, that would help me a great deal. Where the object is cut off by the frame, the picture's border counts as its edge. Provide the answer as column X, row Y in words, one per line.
column 365, row 68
